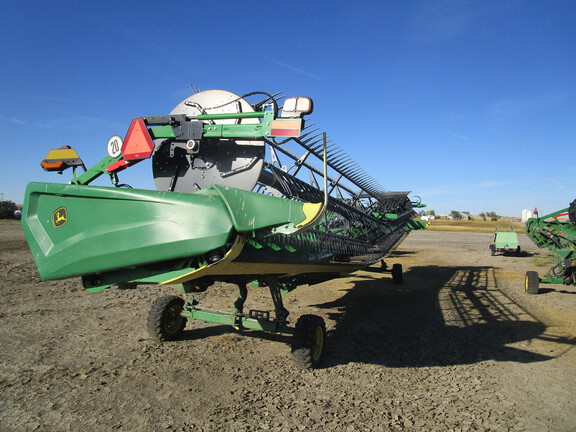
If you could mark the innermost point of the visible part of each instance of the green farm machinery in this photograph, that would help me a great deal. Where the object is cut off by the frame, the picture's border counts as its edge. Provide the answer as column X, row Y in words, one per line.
column 247, row 193
column 559, row 236
column 505, row 242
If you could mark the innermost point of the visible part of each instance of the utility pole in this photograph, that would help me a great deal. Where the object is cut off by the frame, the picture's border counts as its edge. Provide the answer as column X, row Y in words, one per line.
column 2, row 193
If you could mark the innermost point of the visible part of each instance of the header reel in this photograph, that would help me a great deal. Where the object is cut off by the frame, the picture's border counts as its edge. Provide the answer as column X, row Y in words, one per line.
column 197, row 163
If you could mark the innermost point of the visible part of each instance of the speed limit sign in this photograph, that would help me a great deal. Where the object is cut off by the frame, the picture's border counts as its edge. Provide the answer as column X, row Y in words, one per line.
column 114, row 146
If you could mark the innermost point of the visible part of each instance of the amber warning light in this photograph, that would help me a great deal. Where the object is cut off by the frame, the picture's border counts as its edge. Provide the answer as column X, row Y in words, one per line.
column 60, row 159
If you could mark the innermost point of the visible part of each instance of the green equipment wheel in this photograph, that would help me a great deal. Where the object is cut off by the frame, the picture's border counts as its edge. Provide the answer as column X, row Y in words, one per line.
column 532, row 282
column 397, row 278
column 309, row 341
column 164, row 320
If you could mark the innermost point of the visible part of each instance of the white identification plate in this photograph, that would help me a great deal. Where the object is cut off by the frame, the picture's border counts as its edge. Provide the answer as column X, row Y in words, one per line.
column 114, row 146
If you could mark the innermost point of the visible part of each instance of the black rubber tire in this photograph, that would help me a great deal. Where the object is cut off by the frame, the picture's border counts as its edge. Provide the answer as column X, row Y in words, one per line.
column 518, row 251
column 309, row 341
column 164, row 320
column 532, row 282
column 397, row 277
column 572, row 212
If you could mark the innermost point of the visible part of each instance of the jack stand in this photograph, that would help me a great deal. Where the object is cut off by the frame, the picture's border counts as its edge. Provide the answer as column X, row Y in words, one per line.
column 281, row 312
column 239, row 305
column 396, row 272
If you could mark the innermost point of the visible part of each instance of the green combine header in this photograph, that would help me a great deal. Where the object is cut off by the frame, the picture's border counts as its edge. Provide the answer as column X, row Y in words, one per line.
column 247, row 193
column 559, row 236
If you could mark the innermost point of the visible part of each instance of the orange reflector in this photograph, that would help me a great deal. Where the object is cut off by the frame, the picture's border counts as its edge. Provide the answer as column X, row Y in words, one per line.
column 61, row 159
column 137, row 144
column 52, row 166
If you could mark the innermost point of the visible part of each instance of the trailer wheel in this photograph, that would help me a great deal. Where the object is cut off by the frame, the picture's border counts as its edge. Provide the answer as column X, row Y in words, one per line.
column 164, row 320
column 518, row 251
column 397, row 277
column 532, row 282
column 309, row 341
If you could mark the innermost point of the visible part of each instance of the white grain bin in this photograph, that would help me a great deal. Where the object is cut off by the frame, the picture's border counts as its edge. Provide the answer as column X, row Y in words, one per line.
column 526, row 214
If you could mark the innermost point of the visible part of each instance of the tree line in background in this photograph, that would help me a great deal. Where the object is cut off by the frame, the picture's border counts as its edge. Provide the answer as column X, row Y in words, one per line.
column 455, row 214
column 7, row 209
column 489, row 215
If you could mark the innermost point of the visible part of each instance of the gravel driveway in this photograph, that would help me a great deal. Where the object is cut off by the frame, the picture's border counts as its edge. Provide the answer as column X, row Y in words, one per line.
column 458, row 347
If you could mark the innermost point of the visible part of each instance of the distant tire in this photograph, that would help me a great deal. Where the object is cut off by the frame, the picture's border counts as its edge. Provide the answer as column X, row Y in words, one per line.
column 532, row 282
column 572, row 212
column 309, row 341
column 569, row 280
column 397, row 277
column 518, row 251
column 164, row 320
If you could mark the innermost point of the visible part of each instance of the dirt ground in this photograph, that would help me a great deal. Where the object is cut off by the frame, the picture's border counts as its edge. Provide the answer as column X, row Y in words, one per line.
column 458, row 347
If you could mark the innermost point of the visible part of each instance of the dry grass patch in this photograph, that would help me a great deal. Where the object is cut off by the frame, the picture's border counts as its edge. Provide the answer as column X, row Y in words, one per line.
column 543, row 260
column 474, row 226
column 227, row 338
column 9, row 222
column 503, row 274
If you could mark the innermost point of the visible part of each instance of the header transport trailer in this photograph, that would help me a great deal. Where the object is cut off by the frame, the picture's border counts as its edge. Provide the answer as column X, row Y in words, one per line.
column 505, row 242
column 247, row 193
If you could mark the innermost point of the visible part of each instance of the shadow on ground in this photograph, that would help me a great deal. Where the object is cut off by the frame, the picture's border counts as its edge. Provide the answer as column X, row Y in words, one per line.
column 550, row 290
column 212, row 330
column 440, row 316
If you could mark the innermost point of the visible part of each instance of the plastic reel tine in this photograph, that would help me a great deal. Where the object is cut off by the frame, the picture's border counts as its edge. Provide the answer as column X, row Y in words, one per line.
column 349, row 169
column 334, row 152
column 308, row 132
column 312, row 138
column 342, row 163
column 331, row 147
column 328, row 145
column 314, row 147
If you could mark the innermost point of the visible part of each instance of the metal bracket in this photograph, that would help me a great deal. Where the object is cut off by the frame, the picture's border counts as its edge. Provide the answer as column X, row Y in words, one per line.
column 246, row 167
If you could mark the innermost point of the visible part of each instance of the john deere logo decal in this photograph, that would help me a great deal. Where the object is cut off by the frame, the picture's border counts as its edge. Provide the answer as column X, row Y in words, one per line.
column 60, row 217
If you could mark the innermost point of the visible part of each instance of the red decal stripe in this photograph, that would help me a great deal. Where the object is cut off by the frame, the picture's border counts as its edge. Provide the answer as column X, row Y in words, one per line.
column 285, row 132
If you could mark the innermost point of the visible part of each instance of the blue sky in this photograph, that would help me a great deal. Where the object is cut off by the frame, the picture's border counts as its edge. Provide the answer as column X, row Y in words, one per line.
column 469, row 104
